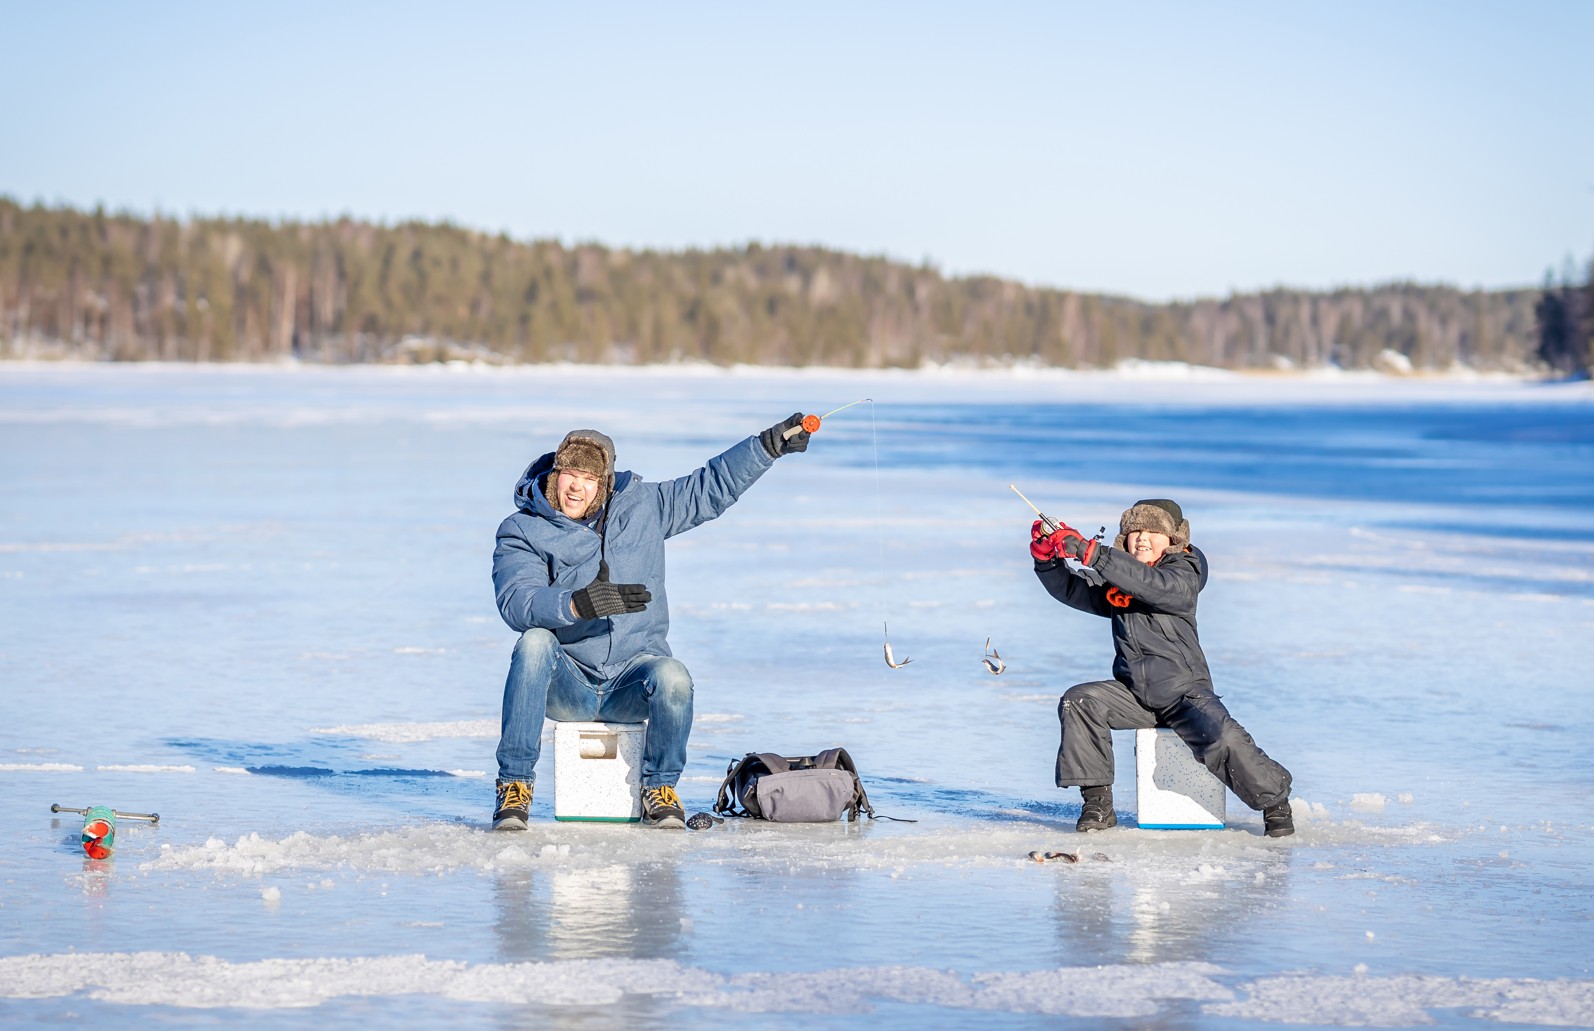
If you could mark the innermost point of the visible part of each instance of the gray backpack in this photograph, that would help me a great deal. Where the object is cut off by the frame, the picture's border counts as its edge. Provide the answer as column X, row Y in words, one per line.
column 793, row 789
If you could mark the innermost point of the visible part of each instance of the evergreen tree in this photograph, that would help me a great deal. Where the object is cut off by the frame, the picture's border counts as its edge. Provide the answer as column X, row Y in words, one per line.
column 1564, row 325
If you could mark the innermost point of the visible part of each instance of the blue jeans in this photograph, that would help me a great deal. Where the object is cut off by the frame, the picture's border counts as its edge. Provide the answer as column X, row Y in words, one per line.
column 544, row 682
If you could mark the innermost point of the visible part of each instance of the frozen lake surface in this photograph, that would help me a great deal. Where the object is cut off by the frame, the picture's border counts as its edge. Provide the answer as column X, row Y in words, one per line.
column 257, row 601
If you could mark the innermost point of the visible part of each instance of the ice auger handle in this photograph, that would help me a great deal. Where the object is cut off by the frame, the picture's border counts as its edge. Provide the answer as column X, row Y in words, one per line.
column 151, row 817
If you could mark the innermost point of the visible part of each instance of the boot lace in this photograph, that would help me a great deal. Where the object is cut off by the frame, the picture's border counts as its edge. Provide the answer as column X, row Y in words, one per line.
column 514, row 795
column 663, row 797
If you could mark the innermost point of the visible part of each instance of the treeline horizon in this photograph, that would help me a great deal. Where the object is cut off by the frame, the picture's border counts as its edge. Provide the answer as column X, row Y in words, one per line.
column 95, row 285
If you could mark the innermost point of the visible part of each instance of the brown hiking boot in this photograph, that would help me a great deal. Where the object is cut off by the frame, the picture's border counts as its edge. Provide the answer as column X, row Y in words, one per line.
column 514, row 806
column 661, row 807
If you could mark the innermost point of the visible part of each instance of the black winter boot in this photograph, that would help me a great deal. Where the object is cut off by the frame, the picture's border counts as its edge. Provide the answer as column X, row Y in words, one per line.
column 1278, row 821
column 1097, row 813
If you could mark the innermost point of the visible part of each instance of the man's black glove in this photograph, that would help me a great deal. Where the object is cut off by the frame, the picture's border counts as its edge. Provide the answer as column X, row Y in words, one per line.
column 601, row 598
column 777, row 443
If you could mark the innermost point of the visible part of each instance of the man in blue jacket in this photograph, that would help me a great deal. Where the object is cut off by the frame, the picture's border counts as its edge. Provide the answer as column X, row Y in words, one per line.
column 579, row 571
column 1147, row 583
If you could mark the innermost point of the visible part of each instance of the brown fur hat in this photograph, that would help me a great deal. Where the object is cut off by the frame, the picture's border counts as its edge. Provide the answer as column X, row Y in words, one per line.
column 1158, row 515
column 587, row 451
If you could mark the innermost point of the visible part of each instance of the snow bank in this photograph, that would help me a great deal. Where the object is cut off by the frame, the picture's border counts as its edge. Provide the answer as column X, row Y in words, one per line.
column 1123, row 992
column 144, row 768
column 1407, row 1000
column 1237, row 853
column 176, row 979
column 1113, row 991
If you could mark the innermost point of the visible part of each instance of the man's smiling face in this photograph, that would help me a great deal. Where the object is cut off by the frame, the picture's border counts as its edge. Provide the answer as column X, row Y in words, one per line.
column 575, row 490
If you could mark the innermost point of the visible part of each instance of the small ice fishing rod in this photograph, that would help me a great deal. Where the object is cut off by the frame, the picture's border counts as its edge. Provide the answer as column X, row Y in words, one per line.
column 811, row 423
column 1046, row 520
column 1052, row 525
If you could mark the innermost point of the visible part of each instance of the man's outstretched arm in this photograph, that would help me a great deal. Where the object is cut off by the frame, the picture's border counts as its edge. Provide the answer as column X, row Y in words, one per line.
column 705, row 493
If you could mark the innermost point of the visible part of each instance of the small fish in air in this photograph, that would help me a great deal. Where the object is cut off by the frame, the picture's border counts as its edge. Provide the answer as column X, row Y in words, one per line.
column 993, row 660
column 891, row 660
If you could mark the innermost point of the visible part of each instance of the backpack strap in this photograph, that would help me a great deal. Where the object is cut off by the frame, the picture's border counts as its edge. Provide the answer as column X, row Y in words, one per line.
column 843, row 761
column 732, row 797
column 775, row 763
column 833, row 759
column 725, row 801
column 729, row 800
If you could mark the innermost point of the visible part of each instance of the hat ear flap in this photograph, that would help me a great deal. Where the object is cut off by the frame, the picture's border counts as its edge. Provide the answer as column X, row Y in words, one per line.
column 1122, row 540
column 1181, row 537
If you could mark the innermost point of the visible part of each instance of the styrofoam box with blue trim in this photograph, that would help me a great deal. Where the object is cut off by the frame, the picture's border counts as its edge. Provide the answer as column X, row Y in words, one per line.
column 598, row 771
column 1173, row 791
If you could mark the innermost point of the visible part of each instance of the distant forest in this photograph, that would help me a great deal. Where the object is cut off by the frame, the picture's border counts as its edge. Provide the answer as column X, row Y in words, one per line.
column 125, row 287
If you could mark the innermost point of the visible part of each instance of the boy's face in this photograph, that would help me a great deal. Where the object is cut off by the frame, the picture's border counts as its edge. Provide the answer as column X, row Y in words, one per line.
column 575, row 491
column 1147, row 545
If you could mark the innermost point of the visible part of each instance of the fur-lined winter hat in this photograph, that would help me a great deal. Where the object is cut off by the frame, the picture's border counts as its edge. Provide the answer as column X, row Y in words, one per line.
column 586, row 451
column 1158, row 515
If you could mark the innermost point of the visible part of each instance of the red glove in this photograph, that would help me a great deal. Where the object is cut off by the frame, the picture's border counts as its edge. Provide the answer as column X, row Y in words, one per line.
column 1065, row 540
column 1040, row 543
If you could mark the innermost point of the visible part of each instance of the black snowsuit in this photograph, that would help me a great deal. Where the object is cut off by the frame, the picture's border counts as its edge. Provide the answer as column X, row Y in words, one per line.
column 1160, row 676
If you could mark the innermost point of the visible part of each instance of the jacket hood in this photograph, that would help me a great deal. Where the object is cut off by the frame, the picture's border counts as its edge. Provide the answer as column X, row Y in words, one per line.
column 531, row 489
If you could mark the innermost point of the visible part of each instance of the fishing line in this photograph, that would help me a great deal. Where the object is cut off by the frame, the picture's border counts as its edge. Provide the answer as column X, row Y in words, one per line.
column 811, row 424
column 880, row 536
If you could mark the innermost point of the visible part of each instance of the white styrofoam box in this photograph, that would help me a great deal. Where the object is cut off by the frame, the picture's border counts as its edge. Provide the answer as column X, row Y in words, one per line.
column 1173, row 791
column 597, row 771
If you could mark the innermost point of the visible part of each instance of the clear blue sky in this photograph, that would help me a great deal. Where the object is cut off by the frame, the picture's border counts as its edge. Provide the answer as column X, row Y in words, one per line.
column 1157, row 150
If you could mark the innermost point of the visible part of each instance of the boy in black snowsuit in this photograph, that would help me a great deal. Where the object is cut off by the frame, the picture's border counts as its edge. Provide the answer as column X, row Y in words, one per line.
column 1147, row 583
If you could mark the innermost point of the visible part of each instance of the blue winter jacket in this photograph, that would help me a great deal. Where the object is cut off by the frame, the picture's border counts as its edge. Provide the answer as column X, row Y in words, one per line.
column 543, row 556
